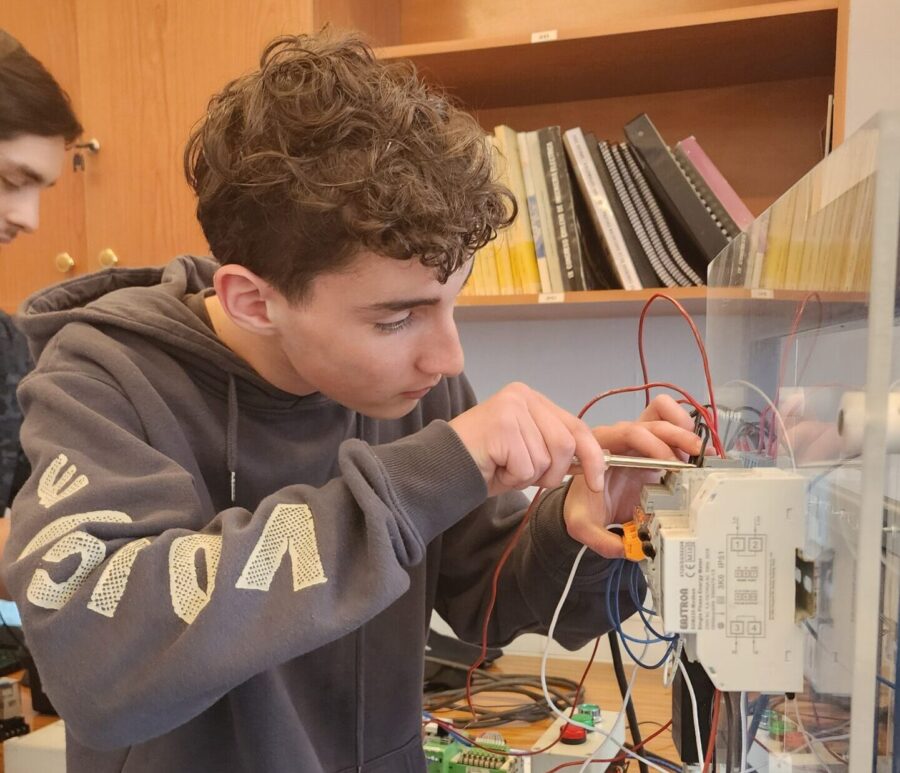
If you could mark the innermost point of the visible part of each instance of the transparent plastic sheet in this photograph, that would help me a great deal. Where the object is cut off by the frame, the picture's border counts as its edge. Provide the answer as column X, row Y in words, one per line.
column 801, row 323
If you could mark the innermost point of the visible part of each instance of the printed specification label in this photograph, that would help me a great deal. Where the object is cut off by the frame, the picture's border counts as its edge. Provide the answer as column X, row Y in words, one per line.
column 746, row 581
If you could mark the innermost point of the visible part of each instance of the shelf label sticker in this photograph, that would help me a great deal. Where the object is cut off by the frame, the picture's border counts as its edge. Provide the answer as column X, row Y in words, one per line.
column 544, row 36
column 551, row 297
column 762, row 292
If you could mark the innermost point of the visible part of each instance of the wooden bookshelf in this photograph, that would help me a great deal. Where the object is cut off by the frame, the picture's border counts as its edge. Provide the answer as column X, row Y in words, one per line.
column 749, row 79
column 634, row 55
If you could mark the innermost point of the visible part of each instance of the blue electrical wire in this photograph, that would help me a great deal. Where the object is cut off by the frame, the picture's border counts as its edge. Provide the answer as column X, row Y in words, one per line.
column 759, row 708
column 613, row 613
column 663, row 763
column 886, row 682
column 636, row 600
column 895, row 764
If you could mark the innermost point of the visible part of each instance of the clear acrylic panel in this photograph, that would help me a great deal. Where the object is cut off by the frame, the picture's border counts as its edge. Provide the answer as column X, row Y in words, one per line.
column 801, row 323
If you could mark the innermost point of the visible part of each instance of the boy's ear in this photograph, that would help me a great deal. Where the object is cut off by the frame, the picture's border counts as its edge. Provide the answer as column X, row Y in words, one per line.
column 246, row 298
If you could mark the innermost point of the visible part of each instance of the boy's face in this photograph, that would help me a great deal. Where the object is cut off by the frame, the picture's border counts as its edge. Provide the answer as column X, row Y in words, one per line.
column 28, row 164
column 375, row 338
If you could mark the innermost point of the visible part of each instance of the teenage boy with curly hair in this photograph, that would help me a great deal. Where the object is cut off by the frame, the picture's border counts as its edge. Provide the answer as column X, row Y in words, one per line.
column 255, row 478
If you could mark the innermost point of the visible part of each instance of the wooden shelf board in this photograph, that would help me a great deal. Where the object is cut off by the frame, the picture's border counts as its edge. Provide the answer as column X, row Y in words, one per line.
column 775, row 41
column 577, row 305
column 623, row 303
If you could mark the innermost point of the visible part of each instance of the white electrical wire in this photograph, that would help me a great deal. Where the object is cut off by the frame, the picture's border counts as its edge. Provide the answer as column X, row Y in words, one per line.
column 744, row 745
column 620, row 716
column 696, row 716
column 784, row 434
column 807, row 737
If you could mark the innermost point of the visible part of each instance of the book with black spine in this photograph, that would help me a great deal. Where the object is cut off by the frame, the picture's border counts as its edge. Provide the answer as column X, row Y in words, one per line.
column 601, row 220
column 675, row 193
column 660, row 224
column 559, row 188
column 647, row 259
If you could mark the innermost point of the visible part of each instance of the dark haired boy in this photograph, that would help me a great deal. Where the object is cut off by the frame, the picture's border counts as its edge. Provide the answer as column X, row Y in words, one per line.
column 255, row 478
column 36, row 124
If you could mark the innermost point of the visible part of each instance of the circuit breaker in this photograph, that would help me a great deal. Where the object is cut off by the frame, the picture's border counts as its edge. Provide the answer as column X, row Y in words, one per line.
column 728, row 574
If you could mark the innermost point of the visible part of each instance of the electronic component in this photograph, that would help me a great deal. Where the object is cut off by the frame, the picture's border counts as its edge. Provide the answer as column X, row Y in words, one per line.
column 724, row 575
column 604, row 743
column 443, row 754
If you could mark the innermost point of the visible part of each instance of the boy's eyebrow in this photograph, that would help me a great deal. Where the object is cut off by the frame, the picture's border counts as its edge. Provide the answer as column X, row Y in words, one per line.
column 410, row 303
column 30, row 173
column 402, row 304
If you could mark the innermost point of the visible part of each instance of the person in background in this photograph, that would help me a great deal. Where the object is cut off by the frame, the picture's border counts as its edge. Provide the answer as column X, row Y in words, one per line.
column 36, row 124
column 255, row 477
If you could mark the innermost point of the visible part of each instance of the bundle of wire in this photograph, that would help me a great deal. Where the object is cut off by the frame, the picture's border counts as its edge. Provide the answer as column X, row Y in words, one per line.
column 564, row 692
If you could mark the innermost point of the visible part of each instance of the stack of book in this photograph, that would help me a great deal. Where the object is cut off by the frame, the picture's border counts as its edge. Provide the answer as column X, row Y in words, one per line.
column 597, row 215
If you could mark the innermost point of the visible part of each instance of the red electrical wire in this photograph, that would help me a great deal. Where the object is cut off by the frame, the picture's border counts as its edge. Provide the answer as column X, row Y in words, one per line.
column 713, row 729
column 707, row 417
column 700, row 345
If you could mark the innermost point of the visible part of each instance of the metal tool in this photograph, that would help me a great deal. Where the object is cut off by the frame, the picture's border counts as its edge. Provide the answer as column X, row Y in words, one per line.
column 638, row 462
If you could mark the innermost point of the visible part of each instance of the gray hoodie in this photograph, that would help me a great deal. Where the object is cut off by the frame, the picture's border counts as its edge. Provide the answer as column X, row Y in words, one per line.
column 215, row 575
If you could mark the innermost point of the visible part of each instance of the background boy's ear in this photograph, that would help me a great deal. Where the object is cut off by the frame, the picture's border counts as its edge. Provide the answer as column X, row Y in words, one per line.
column 245, row 298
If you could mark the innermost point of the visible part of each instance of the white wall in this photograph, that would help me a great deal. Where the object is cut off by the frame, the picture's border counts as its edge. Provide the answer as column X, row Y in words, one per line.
column 873, row 60
column 571, row 361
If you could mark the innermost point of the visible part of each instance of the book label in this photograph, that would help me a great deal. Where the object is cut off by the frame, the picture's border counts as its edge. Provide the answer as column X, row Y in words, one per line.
column 544, row 36
column 762, row 293
column 551, row 298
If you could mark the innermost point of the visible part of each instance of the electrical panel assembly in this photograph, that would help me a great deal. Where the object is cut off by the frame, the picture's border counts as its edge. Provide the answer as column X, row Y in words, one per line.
column 725, row 570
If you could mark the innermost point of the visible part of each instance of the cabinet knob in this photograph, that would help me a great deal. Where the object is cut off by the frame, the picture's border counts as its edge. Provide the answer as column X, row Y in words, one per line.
column 64, row 262
column 108, row 258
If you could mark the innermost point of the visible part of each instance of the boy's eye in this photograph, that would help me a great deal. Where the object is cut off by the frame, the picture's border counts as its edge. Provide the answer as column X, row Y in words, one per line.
column 9, row 185
column 393, row 327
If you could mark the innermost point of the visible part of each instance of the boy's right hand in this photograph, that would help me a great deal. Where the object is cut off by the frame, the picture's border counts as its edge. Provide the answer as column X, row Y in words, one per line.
column 519, row 438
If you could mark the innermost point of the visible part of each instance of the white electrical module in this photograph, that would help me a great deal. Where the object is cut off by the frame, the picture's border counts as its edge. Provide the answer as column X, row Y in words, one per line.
column 727, row 571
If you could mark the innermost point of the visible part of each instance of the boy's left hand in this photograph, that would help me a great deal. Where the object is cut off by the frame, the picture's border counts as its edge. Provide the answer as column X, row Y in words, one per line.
column 664, row 430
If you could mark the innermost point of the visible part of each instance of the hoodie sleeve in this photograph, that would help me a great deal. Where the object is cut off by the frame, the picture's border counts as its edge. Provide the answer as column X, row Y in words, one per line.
column 131, row 589
column 531, row 580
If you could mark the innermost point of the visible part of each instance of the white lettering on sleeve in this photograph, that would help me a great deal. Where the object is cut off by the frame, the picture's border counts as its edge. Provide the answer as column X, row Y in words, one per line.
column 290, row 528
column 111, row 586
column 53, row 531
column 44, row 592
column 188, row 598
column 53, row 487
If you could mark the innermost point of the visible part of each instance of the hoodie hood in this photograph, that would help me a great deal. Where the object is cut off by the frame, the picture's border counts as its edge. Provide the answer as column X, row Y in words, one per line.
column 150, row 303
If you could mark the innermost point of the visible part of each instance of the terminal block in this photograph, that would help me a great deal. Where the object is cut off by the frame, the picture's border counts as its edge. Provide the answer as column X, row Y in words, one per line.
column 724, row 571
column 443, row 754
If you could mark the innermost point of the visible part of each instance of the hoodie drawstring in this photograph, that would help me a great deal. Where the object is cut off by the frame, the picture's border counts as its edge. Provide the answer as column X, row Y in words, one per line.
column 231, row 439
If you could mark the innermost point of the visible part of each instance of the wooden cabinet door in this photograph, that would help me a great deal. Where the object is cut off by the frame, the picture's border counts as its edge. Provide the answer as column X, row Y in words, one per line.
column 148, row 68
column 48, row 30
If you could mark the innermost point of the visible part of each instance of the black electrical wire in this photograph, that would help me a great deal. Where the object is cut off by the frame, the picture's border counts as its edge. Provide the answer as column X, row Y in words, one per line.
column 564, row 693
column 729, row 734
column 619, row 669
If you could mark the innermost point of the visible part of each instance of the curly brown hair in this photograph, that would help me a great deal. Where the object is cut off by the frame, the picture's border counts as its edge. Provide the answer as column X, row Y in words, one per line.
column 325, row 152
